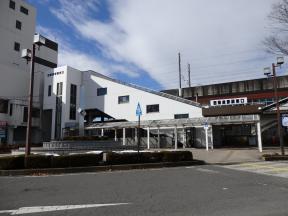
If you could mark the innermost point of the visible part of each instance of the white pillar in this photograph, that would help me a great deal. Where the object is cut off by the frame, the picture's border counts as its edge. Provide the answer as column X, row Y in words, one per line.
column 124, row 137
column 176, row 137
column 115, row 138
column 212, row 144
column 81, row 125
column 206, row 138
column 158, row 137
column 10, row 135
column 102, row 132
column 259, row 136
column 148, row 138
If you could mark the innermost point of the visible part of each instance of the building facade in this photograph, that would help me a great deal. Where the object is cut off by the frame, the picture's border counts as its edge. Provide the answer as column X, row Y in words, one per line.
column 69, row 91
column 17, row 30
column 217, row 99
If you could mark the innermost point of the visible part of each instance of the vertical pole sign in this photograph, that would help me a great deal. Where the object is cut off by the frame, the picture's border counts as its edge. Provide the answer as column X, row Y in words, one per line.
column 138, row 113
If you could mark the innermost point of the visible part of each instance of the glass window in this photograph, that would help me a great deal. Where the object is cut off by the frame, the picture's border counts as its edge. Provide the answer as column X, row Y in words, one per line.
column 3, row 106
column 101, row 91
column 24, row 10
column 49, row 90
column 123, row 99
column 237, row 100
column 18, row 24
column 12, row 4
column 25, row 114
column 35, row 112
column 59, row 88
column 214, row 102
column 11, row 110
column 73, row 99
column 152, row 108
column 16, row 46
column 181, row 116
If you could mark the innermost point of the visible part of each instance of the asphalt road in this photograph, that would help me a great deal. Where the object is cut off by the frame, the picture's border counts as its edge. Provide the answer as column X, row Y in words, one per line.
column 198, row 190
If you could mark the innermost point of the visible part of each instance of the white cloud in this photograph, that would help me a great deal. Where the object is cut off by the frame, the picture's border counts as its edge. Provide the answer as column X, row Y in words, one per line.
column 80, row 60
column 218, row 38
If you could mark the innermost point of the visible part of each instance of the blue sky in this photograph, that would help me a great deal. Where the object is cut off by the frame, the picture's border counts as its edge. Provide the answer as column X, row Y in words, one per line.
column 138, row 41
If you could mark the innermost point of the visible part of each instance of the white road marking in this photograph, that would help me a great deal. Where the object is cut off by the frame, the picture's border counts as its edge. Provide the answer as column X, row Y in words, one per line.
column 39, row 209
column 207, row 170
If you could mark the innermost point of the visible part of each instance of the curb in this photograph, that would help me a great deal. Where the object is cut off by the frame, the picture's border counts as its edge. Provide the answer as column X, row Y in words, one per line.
column 51, row 171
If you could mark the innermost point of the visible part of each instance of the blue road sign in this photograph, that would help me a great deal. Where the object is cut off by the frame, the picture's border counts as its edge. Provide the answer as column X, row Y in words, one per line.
column 285, row 120
column 138, row 110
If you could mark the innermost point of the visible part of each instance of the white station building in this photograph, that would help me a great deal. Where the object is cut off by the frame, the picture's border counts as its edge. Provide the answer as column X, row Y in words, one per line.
column 87, row 102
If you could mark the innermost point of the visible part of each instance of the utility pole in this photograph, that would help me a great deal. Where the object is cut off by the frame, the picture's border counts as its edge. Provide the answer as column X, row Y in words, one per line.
column 275, row 85
column 31, row 87
column 189, row 78
column 179, row 62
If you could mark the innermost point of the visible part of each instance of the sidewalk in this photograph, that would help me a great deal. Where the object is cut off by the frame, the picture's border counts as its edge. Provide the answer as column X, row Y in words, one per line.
column 228, row 155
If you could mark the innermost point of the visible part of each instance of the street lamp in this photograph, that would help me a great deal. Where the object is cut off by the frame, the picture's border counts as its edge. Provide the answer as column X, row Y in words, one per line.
column 267, row 72
column 30, row 56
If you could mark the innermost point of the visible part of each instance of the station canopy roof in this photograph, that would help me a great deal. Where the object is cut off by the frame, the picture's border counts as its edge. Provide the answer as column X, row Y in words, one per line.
column 179, row 123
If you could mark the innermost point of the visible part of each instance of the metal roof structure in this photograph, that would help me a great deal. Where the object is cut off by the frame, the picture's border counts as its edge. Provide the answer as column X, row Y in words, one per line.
column 171, row 123
column 273, row 105
column 162, row 94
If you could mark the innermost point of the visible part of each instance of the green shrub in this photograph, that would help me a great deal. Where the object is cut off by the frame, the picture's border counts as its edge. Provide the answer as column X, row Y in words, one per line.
column 38, row 161
column 85, row 160
column 12, row 162
column 60, row 161
column 274, row 157
column 148, row 157
column 174, row 156
column 121, row 158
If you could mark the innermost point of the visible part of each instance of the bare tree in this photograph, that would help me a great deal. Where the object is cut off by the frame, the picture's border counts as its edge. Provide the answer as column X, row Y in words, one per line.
column 277, row 42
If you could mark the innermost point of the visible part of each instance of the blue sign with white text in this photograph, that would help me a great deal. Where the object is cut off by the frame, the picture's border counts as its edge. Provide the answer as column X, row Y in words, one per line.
column 138, row 110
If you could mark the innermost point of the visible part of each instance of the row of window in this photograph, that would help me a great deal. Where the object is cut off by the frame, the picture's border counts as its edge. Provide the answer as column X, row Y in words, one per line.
column 23, row 10
column 149, row 108
column 54, row 74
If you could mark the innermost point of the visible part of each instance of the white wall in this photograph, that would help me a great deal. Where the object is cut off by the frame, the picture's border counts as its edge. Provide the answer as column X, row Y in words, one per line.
column 109, row 103
column 70, row 76
column 13, row 69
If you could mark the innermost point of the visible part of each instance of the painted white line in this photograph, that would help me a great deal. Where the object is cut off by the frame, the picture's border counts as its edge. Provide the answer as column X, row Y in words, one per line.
column 39, row 209
column 207, row 171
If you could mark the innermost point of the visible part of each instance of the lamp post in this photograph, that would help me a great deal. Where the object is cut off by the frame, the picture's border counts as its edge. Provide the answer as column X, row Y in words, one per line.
column 267, row 72
column 30, row 56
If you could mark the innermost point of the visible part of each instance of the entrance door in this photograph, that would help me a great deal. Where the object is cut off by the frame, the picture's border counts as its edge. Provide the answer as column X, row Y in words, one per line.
column 190, row 137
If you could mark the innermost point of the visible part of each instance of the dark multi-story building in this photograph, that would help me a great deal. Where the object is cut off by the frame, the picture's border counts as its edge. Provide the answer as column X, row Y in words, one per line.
column 220, row 100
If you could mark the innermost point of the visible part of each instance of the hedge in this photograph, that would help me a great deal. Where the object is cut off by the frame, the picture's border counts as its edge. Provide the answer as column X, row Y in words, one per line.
column 274, row 157
column 42, row 161
column 82, row 160
column 76, row 160
column 12, row 162
column 148, row 157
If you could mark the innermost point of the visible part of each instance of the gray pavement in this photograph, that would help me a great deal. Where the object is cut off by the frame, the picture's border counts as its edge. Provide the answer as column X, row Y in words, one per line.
column 277, row 168
column 231, row 155
column 196, row 190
